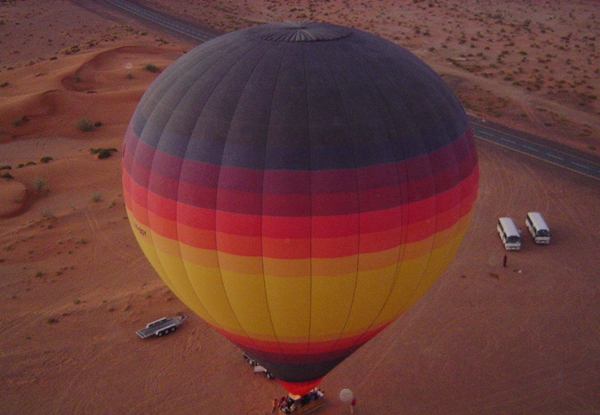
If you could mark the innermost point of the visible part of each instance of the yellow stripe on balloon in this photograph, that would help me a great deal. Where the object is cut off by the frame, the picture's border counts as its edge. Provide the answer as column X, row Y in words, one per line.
column 207, row 284
column 244, row 293
column 247, row 298
column 177, row 282
column 331, row 302
column 289, row 304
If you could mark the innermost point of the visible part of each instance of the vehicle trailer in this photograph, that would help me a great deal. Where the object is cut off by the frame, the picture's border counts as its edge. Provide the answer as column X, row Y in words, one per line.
column 161, row 327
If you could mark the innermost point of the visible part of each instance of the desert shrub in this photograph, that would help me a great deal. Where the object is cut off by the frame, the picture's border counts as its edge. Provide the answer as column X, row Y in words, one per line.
column 150, row 67
column 102, row 153
column 3, row 84
column 85, row 124
column 96, row 197
column 46, row 213
column 6, row 176
column 46, row 159
column 18, row 121
column 39, row 183
column 6, row 167
column 98, row 124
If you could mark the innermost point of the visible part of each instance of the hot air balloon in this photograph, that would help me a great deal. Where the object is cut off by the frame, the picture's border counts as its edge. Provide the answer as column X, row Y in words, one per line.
column 299, row 185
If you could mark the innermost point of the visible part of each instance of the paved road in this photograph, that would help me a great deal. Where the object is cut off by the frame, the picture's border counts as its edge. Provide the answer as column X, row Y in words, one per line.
column 538, row 147
column 193, row 31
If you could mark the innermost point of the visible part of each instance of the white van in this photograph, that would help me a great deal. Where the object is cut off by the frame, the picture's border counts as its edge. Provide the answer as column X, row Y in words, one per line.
column 538, row 228
column 510, row 235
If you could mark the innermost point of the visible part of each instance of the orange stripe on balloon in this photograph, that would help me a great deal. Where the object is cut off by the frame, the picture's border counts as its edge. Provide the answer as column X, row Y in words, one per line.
column 197, row 238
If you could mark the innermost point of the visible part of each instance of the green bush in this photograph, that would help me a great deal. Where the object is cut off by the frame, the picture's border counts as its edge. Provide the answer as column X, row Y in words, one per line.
column 46, row 213
column 150, row 67
column 46, row 159
column 39, row 183
column 102, row 153
column 85, row 124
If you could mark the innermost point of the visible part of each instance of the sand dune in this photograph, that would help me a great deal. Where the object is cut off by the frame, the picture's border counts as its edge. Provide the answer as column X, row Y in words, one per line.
column 75, row 88
column 45, row 104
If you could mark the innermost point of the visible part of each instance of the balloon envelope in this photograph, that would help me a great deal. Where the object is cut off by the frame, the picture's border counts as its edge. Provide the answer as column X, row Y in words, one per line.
column 299, row 186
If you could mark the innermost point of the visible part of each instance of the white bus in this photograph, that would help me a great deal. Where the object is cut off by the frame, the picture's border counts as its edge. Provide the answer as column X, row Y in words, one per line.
column 538, row 228
column 510, row 235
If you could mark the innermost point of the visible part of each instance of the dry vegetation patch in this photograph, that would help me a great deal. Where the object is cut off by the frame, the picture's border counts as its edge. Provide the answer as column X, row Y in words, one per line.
column 533, row 51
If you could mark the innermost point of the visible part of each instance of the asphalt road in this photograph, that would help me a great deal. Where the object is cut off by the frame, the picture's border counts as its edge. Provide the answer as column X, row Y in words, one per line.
column 538, row 147
column 531, row 145
column 187, row 29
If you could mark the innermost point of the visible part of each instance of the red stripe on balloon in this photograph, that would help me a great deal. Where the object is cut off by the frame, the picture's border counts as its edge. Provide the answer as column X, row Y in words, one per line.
column 331, row 236
column 271, row 192
column 301, row 352
column 290, row 227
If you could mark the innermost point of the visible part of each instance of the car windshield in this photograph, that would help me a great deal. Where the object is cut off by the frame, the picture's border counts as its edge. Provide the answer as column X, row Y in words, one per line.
column 513, row 239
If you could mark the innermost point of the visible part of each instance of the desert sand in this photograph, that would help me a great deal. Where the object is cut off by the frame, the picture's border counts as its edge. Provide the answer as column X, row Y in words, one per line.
column 484, row 340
